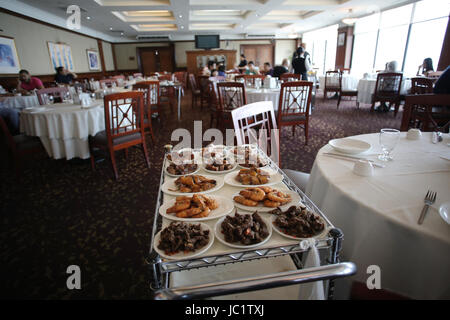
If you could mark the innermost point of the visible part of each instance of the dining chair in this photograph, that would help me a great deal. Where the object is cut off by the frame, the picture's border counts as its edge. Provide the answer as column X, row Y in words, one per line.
column 231, row 96
column 294, row 105
column 346, row 93
column 421, row 85
column 181, row 77
column 387, row 89
column 196, row 94
column 250, row 78
column 56, row 92
column 287, row 76
column 20, row 146
column 203, row 85
column 124, row 126
column 213, row 103
column 427, row 112
column 332, row 83
column 151, row 102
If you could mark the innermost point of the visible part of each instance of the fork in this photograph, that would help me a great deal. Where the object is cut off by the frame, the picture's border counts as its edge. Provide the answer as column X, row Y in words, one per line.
column 430, row 198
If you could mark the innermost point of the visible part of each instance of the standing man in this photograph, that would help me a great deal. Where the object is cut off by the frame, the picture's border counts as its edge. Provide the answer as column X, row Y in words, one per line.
column 301, row 64
column 243, row 64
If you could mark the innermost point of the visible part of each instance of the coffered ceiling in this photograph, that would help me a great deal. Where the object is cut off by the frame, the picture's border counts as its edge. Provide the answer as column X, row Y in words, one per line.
column 181, row 19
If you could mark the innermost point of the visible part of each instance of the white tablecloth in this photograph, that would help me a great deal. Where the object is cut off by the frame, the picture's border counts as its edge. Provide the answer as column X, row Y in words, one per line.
column 366, row 88
column 64, row 128
column 254, row 95
column 19, row 102
column 349, row 82
column 379, row 214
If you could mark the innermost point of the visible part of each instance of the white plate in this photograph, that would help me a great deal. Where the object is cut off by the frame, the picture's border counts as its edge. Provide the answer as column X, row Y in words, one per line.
column 197, row 156
column 320, row 235
column 183, row 255
column 219, row 235
column 444, row 211
column 266, row 167
column 350, row 146
column 261, row 208
column 275, row 178
column 170, row 184
column 174, row 175
column 226, row 206
column 218, row 172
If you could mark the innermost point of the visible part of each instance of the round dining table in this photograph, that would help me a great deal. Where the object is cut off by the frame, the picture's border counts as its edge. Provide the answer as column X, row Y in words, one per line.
column 64, row 128
column 379, row 214
column 366, row 89
column 19, row 101
column 257, row 95
column 349, row 82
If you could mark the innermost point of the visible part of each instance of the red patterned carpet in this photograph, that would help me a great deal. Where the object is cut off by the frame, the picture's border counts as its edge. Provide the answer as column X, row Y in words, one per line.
column 62, row 213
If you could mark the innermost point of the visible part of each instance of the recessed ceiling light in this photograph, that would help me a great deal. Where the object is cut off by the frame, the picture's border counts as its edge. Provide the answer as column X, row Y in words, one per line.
column 182, row 27
column 121, row 33
column 110, row 28
column 89, row 18
column 181, row 16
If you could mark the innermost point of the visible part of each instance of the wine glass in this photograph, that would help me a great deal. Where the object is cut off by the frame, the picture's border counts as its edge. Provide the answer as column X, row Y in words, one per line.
column 388, row 141
column 51, row 99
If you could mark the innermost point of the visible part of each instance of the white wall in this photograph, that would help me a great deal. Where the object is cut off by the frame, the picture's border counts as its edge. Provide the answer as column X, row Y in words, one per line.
column 108, row 56
column 31, row 42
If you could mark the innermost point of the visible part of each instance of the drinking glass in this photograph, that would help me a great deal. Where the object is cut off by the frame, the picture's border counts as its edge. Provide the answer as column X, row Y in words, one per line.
column 388, row 141
column 51, row 99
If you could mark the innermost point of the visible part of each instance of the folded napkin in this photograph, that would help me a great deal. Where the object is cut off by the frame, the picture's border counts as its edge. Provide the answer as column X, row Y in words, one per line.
column 311, row 290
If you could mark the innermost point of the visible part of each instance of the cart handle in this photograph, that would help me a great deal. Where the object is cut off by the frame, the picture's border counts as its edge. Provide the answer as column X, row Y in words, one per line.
column 281, row 279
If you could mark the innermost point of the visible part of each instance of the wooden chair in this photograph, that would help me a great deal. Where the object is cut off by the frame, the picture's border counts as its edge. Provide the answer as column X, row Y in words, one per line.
column 124, row 123
column 250, row 78
column 421, row 85
column 387, row 89
column 427, row 112
column 213, row 103
column 203, row 85
column 196, row 94
column 181, row 77
column 294, row 105
column 286, row 76
column 151, row 102
column 255, row 123
column 333, row 80
column 231, row 96
column 58, row 93
column 346, row 93
column 20, row 146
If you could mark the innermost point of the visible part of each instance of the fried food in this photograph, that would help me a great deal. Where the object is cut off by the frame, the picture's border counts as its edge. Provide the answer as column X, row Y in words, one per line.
column 244, row 201
column 254, row 194
column 269, row 197
column 181, row 168
column 244, row 228
column 299, row 222
column 252, row 176
column 197, row 206
column 194, row 183
column 182, row 237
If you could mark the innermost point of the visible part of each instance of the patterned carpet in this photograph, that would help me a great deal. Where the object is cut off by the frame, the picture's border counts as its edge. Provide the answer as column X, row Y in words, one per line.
column 62, row 213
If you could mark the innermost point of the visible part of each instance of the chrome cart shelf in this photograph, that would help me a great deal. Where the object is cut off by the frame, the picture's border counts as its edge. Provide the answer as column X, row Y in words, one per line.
column 328, row 246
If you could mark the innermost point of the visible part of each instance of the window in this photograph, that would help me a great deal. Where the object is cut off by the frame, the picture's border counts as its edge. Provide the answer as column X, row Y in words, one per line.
column 321, row 45
column 381, row 38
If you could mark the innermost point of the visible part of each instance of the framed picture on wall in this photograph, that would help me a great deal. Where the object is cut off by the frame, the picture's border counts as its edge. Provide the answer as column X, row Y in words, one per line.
column 61, row 55
column 93, row 59
column 9, row 60
column 341, row 39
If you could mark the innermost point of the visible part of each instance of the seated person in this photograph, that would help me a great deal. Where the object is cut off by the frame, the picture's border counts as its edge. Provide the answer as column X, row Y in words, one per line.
column 442, row 85
column 221, row 71
column 426, row 66
column 28, row 83
column 206, row 71
column 252, row 69
column 64, row 76
column 279, row 70
column 268, row 70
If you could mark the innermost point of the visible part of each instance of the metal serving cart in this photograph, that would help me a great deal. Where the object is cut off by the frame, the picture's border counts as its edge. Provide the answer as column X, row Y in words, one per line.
column 328, row 247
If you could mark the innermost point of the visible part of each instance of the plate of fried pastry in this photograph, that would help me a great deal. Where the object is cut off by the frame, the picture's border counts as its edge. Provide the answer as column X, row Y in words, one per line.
column 189, row 184
column 253, row 177
column 265, row 199
column 196, row 208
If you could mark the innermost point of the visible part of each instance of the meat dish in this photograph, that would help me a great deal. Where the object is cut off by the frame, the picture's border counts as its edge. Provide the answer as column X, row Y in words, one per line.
column 247, row 229
column 197, row 206
column 182, row 237
column 269, row 197
column 298, row 222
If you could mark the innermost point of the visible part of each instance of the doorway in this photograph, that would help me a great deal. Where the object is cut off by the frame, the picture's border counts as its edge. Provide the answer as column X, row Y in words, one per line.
column 155, row 59
column 258, row 53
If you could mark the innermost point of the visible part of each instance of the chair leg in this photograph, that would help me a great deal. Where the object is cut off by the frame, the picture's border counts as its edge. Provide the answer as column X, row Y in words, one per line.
column 396, row 108
column 306, row 134
column 144, row 149
column 126, row 153
column 372, row 107
column 339, row 101
column 113, row 162
column 293, row 131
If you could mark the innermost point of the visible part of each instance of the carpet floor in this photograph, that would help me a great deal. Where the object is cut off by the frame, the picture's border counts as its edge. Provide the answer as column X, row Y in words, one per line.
column 62, row 213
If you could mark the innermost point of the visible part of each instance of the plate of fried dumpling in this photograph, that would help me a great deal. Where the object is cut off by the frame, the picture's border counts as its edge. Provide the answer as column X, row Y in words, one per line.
column 187, row 185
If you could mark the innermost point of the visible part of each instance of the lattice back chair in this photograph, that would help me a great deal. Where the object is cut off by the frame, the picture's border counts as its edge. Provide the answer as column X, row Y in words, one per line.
column 421, row 85
column 294, row 105
column 124, row 123
column 151, row 102
column 19, row 145
column 387, row 89
column 250, row 78
column 231, row 96
column 256, row 123
column 287, row 76
column 213, row 103
column 333, row 81
column 58, row 94
column 203, row 85
column 181, row 77
column 195, row 91
column 427, row 112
